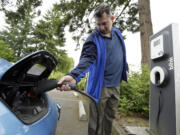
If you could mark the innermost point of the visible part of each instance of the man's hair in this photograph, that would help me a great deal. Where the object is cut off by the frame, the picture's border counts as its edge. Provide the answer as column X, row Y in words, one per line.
column 102, row 8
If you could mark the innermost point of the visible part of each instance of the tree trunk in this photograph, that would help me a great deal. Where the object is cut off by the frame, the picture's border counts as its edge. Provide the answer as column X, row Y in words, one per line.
column 145, row 29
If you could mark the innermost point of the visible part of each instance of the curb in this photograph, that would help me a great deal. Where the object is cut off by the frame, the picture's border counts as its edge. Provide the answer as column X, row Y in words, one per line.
column 83, row 117
column 115, row 129
column 82, row 113
column 75, row 94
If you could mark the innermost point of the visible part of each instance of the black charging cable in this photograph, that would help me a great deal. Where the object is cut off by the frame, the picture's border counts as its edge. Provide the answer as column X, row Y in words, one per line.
column 47, row 85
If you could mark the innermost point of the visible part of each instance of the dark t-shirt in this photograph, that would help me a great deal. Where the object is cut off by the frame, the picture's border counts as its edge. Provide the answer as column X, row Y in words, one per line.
column 114, row 61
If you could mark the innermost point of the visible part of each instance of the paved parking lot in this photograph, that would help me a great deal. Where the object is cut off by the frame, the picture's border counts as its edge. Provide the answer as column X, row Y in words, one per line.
column 69, row 123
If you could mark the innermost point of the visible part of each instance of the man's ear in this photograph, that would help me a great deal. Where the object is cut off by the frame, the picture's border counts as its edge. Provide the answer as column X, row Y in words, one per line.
column 112, row 18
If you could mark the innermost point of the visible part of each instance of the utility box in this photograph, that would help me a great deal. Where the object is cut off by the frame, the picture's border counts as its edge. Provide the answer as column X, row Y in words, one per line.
column 165, row 82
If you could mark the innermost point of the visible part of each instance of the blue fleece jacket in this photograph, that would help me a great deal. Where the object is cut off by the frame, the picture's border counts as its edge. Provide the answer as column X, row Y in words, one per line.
column 94, row 62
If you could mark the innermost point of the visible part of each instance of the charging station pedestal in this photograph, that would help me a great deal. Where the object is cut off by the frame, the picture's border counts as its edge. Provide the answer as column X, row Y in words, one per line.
column 165, row 82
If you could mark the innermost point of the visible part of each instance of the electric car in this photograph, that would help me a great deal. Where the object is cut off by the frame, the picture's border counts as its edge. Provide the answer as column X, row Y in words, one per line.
column 22, row 111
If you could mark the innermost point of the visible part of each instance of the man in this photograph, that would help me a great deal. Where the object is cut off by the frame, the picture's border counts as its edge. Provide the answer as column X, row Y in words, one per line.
column 104, row 57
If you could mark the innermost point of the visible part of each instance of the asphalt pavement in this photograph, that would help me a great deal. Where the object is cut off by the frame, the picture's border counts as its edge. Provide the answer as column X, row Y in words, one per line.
column 69, row 123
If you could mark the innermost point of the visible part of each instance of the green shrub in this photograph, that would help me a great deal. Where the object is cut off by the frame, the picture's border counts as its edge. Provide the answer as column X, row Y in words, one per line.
column 81, row 84
column 134, row 96
column 56, row 75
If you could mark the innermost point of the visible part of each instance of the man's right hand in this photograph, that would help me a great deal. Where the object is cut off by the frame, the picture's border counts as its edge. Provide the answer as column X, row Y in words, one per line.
column 66, row 78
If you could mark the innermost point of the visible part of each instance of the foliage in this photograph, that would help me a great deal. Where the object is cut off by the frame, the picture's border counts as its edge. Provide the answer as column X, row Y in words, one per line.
column 6, row 52
column 78, row 15
column 134, row 95
column 24, row 36
column 56, row 75
column 48, row 35
column 64, row 64
column 4, row 3
column 81, row 85
column 19, row 28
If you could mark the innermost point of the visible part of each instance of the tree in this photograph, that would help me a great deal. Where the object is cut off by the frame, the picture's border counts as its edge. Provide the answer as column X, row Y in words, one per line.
column 78, row 15
column 6, row 52
column 48, row 35
column 18, row 33
column 145, row 29
column 24, row 36
column 3, row 3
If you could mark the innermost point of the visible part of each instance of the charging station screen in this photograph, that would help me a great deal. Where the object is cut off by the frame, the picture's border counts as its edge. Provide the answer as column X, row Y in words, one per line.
column 157, row 49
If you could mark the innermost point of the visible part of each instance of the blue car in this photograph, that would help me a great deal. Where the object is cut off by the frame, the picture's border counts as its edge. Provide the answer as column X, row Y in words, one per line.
column 23, row 112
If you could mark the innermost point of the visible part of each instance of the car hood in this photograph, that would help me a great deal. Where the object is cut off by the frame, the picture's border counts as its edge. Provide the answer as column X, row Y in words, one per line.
column 30, row 69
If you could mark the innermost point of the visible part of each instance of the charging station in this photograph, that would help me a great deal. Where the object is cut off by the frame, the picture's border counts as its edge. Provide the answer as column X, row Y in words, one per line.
column 165, row 82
